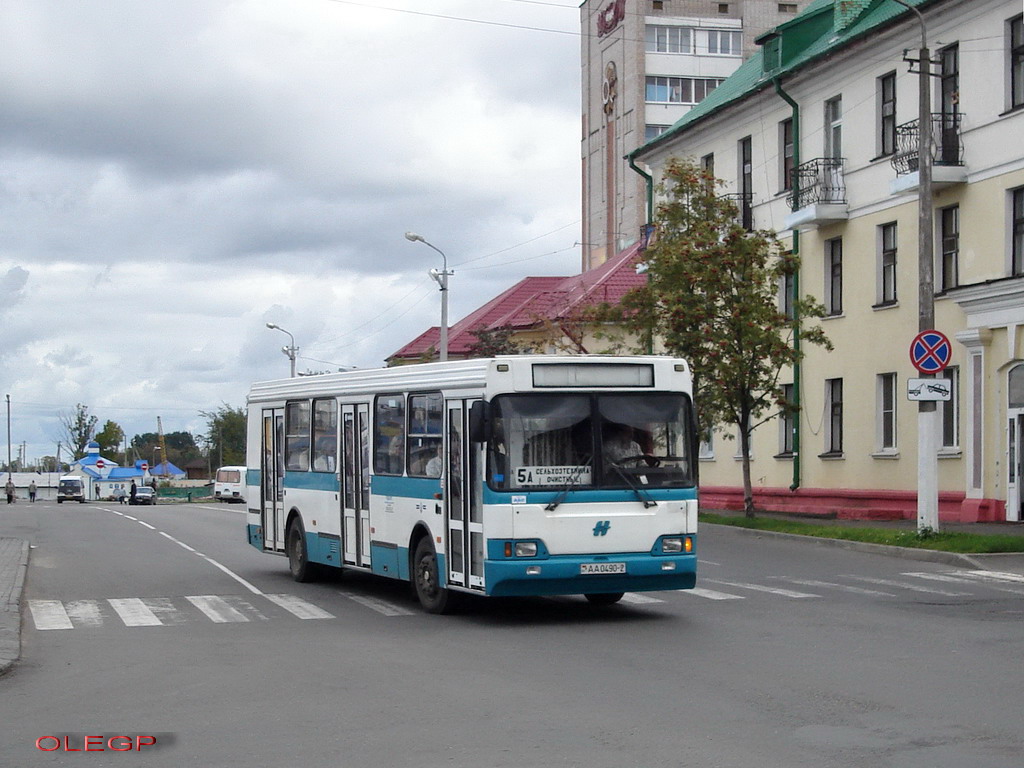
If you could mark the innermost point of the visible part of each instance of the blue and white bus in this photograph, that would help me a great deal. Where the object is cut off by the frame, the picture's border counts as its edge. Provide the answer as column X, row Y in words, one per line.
column 507, row 476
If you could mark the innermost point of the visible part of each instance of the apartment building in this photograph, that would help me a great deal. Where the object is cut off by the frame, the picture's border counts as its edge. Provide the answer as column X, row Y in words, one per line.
column 645, row 64
column 817, row 135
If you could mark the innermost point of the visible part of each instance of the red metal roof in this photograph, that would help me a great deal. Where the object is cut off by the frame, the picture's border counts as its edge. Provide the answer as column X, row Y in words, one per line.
column 533, row 300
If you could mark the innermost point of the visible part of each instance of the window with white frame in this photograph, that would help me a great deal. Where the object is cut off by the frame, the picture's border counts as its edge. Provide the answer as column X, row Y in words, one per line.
column 834, row 127
column 786, row 150
column 886, row 406
column 887, row 264
column 887, row 114
column 949, row 244
column 652, row 131
column 951, row 409
column 664, row 39
column 722, row 43
column 834, row 276
column 787, row 294
column 834, row 417
column 679, row 90
column 1017, row 232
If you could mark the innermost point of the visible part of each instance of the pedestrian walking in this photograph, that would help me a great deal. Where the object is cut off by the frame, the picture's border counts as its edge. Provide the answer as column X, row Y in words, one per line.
column 10, row 490
column 131, row 494
column 32, row 491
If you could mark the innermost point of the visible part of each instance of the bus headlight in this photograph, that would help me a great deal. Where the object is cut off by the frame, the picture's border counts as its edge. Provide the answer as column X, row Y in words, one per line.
column 672, row 544
column 526, row 549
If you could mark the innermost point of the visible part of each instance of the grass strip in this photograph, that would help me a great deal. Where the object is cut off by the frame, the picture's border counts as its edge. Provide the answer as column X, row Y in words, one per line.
column 961, row 543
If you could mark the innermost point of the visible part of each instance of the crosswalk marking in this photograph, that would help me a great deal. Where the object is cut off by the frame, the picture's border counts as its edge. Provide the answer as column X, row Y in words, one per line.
column 763, row 588
column 380, row 606
column 905, row 585
column 134, row 612
column 637, row 599
column 217, row 609
column 85, row 612
column 840, row 587
column 709, row 594
column 299, row 607
column 49, row 614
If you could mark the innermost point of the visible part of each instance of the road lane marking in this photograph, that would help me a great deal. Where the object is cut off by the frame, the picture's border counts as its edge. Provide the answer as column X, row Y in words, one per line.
column 998, row 576
column 216, row 609
column 380, row 606
column 233, row 575
column 134, row 612
column 762, row 588
column 299, row 607
column 633, row 597
column 49, row 614
column 841, row 587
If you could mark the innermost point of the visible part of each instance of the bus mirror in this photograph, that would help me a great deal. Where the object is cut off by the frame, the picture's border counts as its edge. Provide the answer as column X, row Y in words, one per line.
column 479, row 424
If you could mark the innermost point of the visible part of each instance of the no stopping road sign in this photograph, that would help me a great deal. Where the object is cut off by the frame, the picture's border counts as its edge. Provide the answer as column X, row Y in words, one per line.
column 930, row 351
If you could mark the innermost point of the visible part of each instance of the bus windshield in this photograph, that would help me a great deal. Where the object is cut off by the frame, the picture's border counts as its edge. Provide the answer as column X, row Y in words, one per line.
column 548, row 442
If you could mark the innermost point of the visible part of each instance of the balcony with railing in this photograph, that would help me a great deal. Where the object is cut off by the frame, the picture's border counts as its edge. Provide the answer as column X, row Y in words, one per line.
column 947, row 153
column 819, row 194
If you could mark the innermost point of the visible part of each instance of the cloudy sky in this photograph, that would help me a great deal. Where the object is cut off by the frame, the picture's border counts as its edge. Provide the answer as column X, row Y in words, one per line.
column 175, row 174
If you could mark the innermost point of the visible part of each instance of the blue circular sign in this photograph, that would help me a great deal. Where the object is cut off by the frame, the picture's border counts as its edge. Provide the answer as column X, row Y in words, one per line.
column 930, row 351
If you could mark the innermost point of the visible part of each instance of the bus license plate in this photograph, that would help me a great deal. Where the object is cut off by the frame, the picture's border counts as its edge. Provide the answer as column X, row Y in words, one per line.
column 601, row 568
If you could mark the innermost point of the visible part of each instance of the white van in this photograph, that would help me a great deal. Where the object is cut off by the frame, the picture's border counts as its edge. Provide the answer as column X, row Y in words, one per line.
column 70, row 488
column 229, row 484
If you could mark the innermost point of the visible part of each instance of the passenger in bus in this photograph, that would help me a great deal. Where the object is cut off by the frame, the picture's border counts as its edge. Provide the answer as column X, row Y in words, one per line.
column 435, row 464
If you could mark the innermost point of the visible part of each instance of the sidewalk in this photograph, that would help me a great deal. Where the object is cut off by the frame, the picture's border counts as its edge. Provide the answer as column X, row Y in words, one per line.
column 1009, row 562
column 13, row 566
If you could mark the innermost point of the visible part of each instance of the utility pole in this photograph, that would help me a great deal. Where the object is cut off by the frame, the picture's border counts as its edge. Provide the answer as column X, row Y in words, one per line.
column 8, row 437
column 927, row 413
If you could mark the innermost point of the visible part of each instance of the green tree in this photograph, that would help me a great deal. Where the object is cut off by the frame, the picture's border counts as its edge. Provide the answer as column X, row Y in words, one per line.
column 225, row 435
column 110, row 439
column 493, row 341
column 712, row 297
column 77, row 429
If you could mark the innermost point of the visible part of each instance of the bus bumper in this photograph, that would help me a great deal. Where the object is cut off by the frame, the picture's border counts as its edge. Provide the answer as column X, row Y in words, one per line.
column 562, row 574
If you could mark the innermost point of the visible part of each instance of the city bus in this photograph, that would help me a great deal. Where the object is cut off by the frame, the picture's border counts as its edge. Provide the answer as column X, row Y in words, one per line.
column 229, row 484
column 490, row 477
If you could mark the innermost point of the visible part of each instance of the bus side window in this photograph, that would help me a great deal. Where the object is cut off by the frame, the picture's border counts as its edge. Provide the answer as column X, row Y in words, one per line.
column 389, row 435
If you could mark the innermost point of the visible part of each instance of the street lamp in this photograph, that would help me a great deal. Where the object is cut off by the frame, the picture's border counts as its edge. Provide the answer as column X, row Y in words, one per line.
column 290, row 351
column 441, row 278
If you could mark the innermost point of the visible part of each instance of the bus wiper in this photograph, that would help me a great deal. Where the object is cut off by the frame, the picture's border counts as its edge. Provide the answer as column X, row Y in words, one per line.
column 574, row 480
column 641, row 494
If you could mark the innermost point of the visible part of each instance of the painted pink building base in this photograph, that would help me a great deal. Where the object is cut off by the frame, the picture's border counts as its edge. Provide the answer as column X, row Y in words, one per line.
column 850, row 504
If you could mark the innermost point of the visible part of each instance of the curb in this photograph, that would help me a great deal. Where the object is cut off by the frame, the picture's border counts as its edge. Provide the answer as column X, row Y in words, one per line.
column 908, row 553
column 10, row 616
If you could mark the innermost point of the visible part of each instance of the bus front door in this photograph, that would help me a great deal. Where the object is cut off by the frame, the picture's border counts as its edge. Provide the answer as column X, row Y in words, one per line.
column 272, row 480
column 463, row 501
column 355, row 477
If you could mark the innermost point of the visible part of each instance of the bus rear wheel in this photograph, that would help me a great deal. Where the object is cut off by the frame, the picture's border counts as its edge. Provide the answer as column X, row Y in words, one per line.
column 425, row 580
column 604, row 598
column 298, row 558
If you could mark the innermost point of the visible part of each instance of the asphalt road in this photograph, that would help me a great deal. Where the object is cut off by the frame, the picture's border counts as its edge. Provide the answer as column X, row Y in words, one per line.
column 788, row 655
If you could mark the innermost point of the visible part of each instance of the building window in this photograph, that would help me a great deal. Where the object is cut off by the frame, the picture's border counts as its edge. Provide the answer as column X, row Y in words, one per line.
column 707, row 164
column 724, row 43
column 1018, row 232
column 746, row 183
column 834, row 276
column 679, row 90
column 834, row 410
column 652, row 132
column 723, row 7
column 950, row 244
column 887, row 114
column 886, row 411
column 787, row 421
column 950, row 409
column 787, row 7
column 787, row 292
column 786, row 153
column 661, row 39
column 834, row 127
column 887, row 264
column 1017, row 62
column 658, row 5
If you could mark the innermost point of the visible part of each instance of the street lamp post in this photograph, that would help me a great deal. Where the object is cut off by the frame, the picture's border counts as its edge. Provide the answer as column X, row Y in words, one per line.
column 441, row 278
column 291, row 351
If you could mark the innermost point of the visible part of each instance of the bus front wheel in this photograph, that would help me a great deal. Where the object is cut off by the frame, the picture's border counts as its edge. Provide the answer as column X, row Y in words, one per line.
column 605, row 598
column 432, row 596
column 298, row 558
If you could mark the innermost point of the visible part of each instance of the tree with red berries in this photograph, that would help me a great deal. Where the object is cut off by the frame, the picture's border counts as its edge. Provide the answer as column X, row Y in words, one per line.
column 713, row 298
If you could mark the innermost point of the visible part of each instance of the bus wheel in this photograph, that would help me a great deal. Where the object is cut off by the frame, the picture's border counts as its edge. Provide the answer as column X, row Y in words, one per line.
column 605, row 598
column 298, row 559
column 433, row 597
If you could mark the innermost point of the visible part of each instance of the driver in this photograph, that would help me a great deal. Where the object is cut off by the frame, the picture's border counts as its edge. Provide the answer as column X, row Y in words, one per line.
column 619, row 444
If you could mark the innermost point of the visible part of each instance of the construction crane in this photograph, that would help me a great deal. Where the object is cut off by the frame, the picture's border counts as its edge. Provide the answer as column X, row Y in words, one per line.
column 166, row 469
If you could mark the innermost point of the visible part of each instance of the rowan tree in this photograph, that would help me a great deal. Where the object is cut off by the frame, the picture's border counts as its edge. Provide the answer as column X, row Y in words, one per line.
column 712, row 297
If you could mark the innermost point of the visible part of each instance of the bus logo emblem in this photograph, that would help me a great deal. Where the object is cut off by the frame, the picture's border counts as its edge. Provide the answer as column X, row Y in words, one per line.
column 602, row 527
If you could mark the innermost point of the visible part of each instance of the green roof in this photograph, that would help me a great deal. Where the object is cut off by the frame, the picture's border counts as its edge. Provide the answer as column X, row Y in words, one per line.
column 801, row 41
